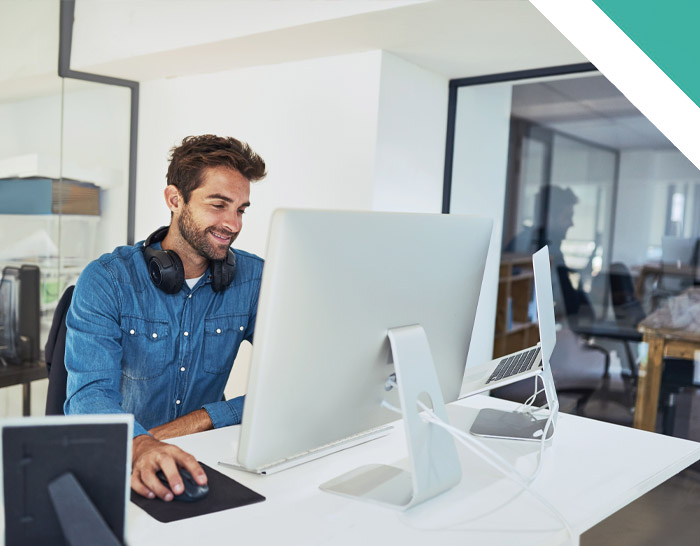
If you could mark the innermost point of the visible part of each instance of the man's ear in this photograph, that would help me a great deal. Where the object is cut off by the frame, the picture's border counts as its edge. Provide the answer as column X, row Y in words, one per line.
column 173, row 198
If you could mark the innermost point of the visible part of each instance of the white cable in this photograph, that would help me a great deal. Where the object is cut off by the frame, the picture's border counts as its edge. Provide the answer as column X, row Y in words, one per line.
column 530, row 401
column 492, row 457
column 505, row 467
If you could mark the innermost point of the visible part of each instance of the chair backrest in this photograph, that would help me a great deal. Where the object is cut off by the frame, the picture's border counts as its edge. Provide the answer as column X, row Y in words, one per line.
column 627, row 308
column 577, row 306
column 54, row 353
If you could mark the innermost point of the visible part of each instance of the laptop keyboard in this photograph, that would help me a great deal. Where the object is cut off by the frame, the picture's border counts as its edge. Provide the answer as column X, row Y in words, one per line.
column 514, row 364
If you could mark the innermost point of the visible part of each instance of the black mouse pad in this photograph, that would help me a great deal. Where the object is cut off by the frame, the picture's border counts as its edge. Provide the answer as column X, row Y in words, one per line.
column 224, row 493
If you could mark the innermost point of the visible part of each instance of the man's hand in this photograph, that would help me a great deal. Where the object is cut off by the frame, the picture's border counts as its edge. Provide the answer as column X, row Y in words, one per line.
column 150, row 455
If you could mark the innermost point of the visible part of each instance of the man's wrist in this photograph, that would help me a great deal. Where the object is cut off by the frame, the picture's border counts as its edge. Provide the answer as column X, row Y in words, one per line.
column 140, row 444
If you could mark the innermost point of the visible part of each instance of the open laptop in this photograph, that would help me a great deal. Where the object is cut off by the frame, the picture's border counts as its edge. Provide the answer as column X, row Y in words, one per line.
column 528, row 362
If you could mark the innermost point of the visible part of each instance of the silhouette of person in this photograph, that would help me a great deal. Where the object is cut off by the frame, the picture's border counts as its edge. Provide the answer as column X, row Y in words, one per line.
column 552, row 218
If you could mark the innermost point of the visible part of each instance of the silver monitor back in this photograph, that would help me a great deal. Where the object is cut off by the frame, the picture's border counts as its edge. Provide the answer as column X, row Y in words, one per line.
column 545, row 303
column 334, row 282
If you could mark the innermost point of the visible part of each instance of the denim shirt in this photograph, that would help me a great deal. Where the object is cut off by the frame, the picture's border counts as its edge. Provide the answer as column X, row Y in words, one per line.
column 132, row 348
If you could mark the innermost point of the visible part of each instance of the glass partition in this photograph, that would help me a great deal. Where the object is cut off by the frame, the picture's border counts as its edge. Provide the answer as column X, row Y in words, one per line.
column 64, row 165
column 583, row 171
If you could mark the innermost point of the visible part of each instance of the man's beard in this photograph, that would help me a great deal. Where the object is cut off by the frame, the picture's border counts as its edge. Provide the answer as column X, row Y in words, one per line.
column 198, row 238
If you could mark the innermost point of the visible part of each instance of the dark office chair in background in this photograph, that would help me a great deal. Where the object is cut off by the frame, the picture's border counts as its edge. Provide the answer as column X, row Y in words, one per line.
column 54, row 353
column 583, row 322
column 628, row 310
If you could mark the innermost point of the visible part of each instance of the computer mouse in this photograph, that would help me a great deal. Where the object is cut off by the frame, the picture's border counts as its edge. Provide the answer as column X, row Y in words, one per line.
column 192, row 492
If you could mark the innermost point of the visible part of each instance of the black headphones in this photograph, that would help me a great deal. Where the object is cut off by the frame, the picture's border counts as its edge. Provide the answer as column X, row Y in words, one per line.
column 166, row 270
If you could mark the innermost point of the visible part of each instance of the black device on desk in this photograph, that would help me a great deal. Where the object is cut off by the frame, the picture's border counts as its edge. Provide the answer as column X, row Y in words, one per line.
column 192, row 490
column 65, row 480
column 19, row 314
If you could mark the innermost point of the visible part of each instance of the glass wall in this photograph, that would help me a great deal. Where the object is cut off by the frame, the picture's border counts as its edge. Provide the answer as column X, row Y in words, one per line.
column 63, row 173
column 619, row 207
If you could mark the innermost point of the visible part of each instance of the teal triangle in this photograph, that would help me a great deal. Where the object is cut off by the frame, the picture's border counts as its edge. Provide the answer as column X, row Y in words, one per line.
column 667, row 32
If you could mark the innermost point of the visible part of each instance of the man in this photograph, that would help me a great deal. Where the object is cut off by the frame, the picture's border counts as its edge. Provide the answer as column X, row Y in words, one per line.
column 553, row 216
column 153, row 329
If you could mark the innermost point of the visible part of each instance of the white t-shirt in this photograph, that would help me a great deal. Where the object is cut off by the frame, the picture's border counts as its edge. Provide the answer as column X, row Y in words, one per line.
column 192, row 282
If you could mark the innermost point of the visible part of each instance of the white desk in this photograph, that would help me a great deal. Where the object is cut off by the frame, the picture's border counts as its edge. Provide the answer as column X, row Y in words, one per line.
column 590, row 471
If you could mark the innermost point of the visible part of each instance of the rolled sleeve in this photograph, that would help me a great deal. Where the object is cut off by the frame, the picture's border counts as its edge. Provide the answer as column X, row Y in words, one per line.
column 224, row 414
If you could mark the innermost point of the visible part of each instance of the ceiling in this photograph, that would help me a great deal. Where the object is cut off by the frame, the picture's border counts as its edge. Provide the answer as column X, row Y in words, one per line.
column 590, row 108
column 152, row 39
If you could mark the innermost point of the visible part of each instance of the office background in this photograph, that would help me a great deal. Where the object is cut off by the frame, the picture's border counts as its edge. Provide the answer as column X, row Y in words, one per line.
column 349, row 103
column 354, row 105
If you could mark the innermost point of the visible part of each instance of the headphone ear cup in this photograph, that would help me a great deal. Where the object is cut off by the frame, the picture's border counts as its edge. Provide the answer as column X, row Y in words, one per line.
column 222, row 272
column 166, row 270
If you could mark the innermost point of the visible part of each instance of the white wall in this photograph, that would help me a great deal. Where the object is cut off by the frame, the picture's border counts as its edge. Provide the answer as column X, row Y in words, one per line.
column 478, row 187
column 410, row 152
column 314, row 123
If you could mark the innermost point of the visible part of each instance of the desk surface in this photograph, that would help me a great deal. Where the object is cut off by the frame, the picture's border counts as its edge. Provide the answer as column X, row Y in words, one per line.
column 591, row 470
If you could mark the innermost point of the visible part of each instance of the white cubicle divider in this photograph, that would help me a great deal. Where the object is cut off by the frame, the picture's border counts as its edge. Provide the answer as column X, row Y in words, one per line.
column 435, row 466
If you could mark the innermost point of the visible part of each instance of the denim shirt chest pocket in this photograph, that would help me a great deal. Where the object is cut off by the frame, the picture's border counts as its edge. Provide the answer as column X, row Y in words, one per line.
column 222, row 337
column 144, row 347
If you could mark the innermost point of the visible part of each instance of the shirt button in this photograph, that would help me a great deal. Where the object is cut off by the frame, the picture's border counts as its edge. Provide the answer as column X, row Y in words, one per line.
column 177, row 402
column 241, row 328
column 154, row 335
column 182, row 369
column 132, row 331
column 189, row 296
column 218, row 330
column 186, row 334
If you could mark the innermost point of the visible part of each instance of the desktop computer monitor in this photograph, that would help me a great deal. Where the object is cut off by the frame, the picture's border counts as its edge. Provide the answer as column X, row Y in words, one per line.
column 678, row 251
column 333, row 285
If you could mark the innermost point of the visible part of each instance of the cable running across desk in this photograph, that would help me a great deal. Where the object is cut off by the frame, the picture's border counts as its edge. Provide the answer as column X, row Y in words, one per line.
column 492, row 457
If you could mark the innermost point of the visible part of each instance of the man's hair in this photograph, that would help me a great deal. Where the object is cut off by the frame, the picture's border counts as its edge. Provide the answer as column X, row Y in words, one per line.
column 557, row 197
column 189, row 160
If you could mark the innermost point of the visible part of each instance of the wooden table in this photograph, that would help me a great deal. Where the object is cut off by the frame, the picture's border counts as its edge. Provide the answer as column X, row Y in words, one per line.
column 672, row 331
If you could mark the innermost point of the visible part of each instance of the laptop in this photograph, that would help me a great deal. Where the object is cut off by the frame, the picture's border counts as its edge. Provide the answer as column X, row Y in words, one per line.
column 527, row 362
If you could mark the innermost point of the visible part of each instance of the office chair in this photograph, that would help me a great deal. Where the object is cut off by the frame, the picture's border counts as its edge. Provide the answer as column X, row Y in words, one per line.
column 54, row 355
column 580, row 315
column 628, row 310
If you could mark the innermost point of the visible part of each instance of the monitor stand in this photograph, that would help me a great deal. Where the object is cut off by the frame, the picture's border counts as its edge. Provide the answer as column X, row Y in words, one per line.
column 432, row 453
column 519, row 425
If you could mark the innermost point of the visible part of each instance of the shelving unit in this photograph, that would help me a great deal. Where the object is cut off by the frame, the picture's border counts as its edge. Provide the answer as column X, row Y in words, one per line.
column 515, row 329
